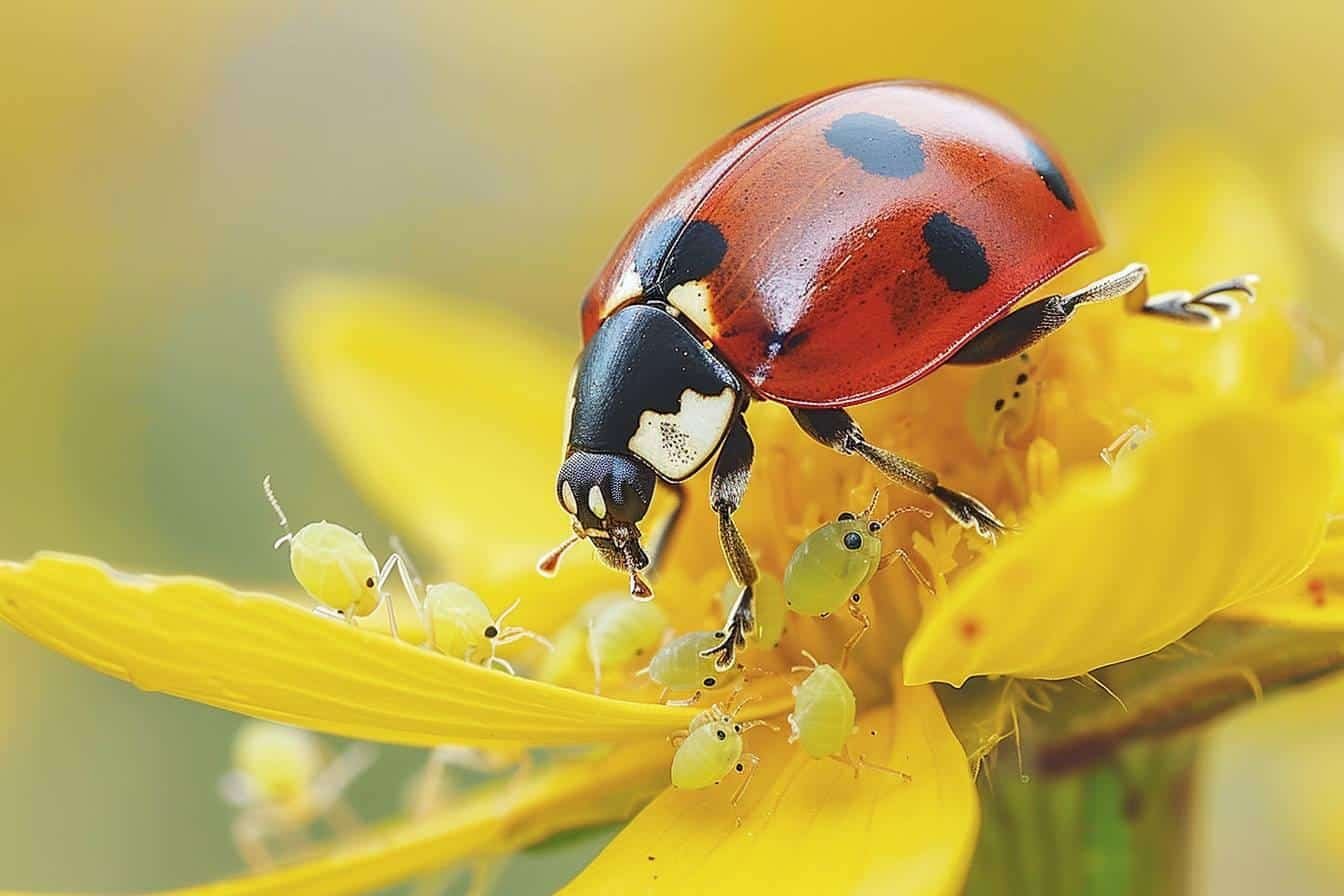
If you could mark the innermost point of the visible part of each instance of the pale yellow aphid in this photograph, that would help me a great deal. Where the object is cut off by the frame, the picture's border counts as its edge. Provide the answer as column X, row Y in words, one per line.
column 769, row 609
column 711, row 749
column 680, row 667
column 621, row 631
column 336, row 568
column 282, row 781
column 1002, row 404
column 460, row 625
column 823, row 715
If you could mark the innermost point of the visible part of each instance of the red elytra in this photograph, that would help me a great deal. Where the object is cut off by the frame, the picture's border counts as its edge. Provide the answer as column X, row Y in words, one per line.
column 868, row 232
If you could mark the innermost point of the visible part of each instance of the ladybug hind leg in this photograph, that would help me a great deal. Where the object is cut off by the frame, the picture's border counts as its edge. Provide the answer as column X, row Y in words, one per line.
column 1030, row 324
column 835, row 429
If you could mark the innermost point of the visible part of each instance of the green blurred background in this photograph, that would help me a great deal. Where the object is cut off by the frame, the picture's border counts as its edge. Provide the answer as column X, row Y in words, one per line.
column 169, row 168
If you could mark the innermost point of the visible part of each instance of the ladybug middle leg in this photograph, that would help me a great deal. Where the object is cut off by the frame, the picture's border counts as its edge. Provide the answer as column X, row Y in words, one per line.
column 727, row 487
column 1031, row 323
column 835, row 429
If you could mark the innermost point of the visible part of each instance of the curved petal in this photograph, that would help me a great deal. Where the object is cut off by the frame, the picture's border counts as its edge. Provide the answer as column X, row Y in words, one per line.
column 450, row 420
column 1223, row 508
column 810, row 826
column 1313, row 600
column 266, row 657
column 497, row 819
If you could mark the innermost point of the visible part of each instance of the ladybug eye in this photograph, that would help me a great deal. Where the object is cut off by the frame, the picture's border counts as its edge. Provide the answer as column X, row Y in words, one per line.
column 853, row 541
column 845, row 517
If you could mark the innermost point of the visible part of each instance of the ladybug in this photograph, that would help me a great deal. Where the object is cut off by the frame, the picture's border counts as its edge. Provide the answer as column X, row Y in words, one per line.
column 828, row 252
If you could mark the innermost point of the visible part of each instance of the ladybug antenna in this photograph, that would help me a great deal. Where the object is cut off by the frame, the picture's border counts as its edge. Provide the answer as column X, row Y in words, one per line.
column 550, row 561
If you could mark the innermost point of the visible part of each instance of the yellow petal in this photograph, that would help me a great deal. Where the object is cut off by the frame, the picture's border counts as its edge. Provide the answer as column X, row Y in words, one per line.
column 1314, row 599
column 450, row 420
column 1227, row 506
column 265, row 657
column 494, row 820
column 808, row 825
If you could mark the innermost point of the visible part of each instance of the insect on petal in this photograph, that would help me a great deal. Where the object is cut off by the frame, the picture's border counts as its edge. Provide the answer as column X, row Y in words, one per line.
column 1209, row 513
column 874, row 834
column 266, row 657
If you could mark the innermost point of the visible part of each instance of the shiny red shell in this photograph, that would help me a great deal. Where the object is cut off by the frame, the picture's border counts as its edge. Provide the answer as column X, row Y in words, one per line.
column 848, row 243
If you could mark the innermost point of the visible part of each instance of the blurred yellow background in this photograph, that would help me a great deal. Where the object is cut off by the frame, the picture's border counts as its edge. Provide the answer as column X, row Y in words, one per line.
column 169, row 169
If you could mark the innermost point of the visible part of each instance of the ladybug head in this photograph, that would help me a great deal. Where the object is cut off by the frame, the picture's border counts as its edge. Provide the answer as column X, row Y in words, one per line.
column 607, row 495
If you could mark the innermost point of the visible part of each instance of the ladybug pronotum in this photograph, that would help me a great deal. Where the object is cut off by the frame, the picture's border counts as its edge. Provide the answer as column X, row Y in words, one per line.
column 829, row 252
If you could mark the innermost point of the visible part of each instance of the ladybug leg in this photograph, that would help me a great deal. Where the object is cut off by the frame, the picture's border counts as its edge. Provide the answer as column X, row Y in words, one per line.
column 1030, row 324
column 835, row 429
column 662, row 536
column 727, row 487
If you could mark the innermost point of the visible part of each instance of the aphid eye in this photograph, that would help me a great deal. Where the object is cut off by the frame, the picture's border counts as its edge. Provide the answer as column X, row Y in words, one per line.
column 737, row 729
column 721, row 734
column 845, row 517
column 739, row 767
column 718, row 634
column 491, row 631
column 874, row 527
column 853, row 541
column 710, row 682
column 854, row 598
column 368, row 583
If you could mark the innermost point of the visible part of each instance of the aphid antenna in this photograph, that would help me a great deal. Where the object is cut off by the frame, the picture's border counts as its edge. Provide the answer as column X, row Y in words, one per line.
column 908, row 508
column 872, row 505
column 409, row 581
column 811, row 659
column 340, row 773
column 275, row 505
column 394, row 541
column 1101, row 684
column 734, row 709
column 510, row 633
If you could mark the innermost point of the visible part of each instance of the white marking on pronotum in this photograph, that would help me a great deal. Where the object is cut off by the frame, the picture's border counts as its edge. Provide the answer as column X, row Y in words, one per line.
column 678, row 444
column 567, row 498
column 627, row 288
column 692, row 299
column 596, row 503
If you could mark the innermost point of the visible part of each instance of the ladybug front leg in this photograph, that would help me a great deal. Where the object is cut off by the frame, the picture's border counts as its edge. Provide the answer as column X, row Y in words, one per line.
column 727, row 487
column 1031, row 323
column 835, row 429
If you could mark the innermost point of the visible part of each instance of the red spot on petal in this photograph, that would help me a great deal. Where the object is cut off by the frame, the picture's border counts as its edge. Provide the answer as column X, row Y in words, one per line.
column 970, row 629
column 1316, row 590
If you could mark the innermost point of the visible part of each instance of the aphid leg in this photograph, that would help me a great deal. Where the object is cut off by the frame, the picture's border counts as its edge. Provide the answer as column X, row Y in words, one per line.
column 499, row 661
column 337, row 775
column 746, row 767
column 685, row 701
column 249, row 838
column 862, row 762
column 728, row 485
column 904, row 556
column 662, row 536
column 677, row 739
column 864, row 624
column 835, row 429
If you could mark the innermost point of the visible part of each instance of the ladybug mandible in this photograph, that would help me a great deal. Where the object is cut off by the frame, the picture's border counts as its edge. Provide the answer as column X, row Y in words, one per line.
column 826, row 253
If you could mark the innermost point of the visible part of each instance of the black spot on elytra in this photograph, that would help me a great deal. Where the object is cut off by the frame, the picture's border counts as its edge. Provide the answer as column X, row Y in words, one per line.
column 675, row 252
column 880, row 144
column 955, row 254
column 1050, row 173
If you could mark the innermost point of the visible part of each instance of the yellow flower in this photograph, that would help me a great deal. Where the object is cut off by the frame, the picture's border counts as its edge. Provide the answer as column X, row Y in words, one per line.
column 453, row 422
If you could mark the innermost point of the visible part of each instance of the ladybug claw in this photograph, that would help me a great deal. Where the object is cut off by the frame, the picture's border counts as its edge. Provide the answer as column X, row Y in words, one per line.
column 1208, row 307
column 971, row 513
